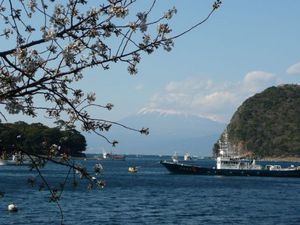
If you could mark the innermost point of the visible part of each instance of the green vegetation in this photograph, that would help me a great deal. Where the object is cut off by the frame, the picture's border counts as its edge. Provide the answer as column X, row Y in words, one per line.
column 268, row 124
column 37, row 138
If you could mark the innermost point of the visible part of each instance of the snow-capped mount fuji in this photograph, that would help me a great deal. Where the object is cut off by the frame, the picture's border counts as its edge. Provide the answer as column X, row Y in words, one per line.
column 174, row 124
column 169, row 132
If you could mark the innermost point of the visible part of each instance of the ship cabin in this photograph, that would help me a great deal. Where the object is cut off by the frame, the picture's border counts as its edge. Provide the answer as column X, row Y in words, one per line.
column 228, row 159
column 236, row 163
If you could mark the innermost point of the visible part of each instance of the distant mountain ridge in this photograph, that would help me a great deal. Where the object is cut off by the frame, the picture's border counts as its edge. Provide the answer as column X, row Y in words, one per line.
column 168, row 133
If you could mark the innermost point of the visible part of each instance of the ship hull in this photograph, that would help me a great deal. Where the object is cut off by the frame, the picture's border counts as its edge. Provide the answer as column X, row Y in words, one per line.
column 177, row 168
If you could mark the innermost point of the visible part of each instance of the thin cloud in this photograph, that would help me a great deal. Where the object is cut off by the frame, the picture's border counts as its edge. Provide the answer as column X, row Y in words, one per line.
column 207, row 98
column 258, row 80
column 294, row 69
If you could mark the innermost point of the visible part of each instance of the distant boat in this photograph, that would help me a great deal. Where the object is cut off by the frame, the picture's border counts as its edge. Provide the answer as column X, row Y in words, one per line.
column 187, row 157
column 110, row 156
column 16, row 160
column 230, row 165
column 175, row 158
column 132, row 169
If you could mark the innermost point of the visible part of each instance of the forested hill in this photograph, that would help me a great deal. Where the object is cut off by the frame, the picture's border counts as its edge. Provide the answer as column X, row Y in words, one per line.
column 38, row 138
column 268, row 124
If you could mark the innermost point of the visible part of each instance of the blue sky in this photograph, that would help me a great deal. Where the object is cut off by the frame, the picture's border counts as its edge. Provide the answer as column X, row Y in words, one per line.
column 244, row 48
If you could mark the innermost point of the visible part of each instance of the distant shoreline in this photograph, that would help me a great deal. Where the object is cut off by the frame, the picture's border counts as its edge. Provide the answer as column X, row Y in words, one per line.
column 281, row 159
column 271, row 159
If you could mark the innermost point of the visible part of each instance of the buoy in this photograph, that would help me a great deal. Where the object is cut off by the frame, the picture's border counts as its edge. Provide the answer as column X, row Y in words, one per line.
column 12, row 207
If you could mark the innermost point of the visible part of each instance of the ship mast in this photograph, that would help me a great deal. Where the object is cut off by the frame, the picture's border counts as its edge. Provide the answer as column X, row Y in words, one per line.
column 225, row 150
column 223, row 145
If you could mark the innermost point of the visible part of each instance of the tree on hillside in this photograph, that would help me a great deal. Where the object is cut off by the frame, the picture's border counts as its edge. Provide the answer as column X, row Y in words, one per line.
column 49, row 45
column 37, row 138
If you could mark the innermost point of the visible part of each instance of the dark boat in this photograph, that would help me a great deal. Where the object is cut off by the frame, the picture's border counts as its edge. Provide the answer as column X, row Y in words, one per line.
column 268, row 171
column 229, row 165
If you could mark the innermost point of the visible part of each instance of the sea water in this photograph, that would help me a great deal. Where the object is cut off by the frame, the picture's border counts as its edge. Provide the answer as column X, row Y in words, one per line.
column 150, row 196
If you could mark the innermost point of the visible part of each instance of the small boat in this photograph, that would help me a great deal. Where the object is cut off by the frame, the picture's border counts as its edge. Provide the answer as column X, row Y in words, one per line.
column 16, row 160
column 187, row 157
column 132, row 169
column 229, row 165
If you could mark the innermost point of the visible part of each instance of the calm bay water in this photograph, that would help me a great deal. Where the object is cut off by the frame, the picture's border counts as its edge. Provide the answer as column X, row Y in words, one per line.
column 151, row 196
